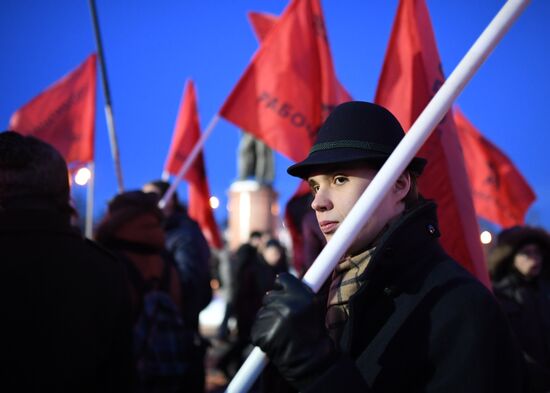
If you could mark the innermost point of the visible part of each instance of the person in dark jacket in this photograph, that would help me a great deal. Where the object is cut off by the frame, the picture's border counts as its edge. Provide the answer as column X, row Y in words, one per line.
column 191, row 253
column 401, row 315
column 188, row 246
column 519, row 267
column 273, row 261
column 273, row 256
column 250, row 280
column 66, row 323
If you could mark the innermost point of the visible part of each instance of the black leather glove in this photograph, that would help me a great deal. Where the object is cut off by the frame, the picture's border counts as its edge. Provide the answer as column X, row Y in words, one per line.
column 290, row 329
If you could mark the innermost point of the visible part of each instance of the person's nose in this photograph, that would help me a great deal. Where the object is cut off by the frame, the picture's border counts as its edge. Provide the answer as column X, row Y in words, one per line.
column 321, row 201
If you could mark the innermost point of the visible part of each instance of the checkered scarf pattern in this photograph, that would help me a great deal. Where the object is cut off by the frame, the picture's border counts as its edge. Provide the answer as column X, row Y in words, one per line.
column 346, row 280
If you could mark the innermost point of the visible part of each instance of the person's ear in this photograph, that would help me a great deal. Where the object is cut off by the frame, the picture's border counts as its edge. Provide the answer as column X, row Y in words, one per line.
column 402, row 186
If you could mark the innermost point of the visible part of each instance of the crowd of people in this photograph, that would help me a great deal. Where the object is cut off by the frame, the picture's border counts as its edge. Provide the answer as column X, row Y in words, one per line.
column 120, row 313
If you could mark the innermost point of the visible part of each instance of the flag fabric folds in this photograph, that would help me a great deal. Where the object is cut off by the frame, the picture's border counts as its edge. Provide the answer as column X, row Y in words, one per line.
column 501, row 194
column 290, row 86
column 186, row 135
column 411, row 75
column 262, row 23
column 63, row 115
column 331, row 94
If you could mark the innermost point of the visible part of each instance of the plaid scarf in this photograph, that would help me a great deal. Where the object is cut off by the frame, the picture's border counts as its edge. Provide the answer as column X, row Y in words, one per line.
column 346, row 280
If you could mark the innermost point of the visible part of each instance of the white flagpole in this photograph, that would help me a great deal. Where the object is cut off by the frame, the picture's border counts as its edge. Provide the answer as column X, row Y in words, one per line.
column 391, row 170
column 89, row 226
column 187, row 164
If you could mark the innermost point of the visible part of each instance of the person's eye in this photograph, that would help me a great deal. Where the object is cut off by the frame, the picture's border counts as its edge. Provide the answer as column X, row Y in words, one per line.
column 339, row 180
column 314, row 188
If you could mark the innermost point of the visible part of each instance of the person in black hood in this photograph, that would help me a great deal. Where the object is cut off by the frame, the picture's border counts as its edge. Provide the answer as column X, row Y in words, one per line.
column 520, row 272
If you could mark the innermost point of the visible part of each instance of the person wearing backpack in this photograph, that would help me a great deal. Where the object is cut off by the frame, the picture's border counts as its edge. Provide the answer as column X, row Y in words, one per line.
column 164, row 340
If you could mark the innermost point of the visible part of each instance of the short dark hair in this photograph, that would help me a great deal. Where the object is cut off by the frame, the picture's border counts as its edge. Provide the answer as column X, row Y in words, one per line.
column 163, row 186
column 413, row 196
column 123, row 208
column 32, row 173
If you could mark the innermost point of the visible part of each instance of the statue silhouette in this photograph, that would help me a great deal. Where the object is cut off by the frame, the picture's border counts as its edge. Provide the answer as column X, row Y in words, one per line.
column 255, row 160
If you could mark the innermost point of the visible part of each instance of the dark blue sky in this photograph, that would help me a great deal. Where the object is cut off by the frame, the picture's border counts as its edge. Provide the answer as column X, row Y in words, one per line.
column 152, row 47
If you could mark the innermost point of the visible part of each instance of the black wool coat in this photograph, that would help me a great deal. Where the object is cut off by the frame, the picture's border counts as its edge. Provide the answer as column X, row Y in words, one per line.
column 421, row 323
column 66, row 319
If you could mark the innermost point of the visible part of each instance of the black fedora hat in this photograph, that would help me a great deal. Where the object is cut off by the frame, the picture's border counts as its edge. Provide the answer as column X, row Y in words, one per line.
column 355, row 132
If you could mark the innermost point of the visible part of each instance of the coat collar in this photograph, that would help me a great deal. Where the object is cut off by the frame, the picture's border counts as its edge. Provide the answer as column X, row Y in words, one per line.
column 396, row 256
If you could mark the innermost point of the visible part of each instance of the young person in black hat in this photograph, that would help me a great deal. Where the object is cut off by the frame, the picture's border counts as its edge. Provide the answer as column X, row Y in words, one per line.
column 401, row 315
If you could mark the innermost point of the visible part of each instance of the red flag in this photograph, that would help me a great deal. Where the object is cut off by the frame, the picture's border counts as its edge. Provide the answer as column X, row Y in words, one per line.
column 186, row 135
column 262, row 23
column 411, row 75
column 294, row 212
column 501, row 194
column 64, row 114
column 290, row 85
